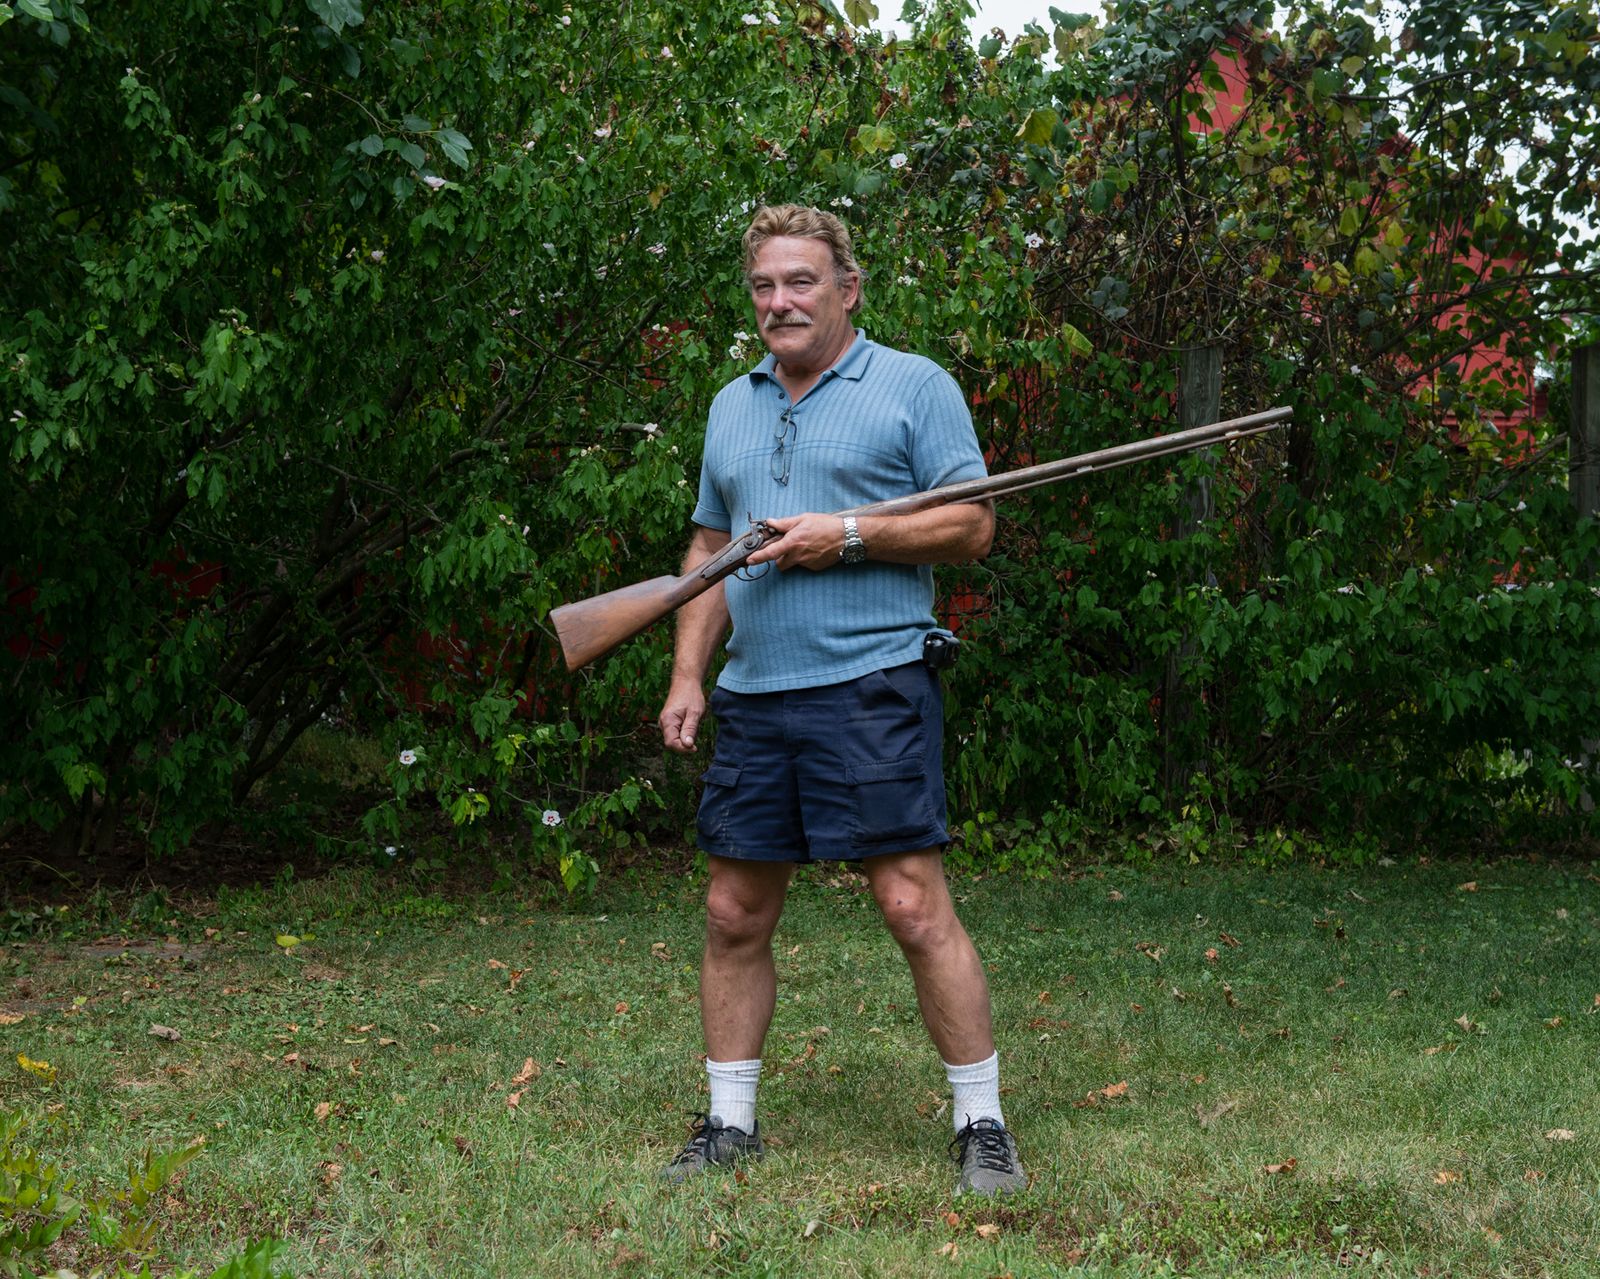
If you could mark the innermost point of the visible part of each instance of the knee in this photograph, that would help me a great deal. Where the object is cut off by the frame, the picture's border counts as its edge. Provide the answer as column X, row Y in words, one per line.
column 917, row 920
column 734, row 919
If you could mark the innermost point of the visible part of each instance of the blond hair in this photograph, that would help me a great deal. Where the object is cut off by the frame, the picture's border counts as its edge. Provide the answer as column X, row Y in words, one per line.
column 804, row 222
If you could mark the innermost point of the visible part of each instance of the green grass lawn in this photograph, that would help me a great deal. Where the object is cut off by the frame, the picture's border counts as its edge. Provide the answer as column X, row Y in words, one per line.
column 1406, row 1052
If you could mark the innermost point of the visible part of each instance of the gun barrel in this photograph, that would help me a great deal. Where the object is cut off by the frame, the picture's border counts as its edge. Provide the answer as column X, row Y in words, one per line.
column 1007, row 482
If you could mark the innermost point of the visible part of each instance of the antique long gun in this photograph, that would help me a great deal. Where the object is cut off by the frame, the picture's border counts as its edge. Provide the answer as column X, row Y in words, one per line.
column 589, row 629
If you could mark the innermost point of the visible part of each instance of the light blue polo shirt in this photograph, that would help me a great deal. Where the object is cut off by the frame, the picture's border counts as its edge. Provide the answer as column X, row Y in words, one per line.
column 880, row 423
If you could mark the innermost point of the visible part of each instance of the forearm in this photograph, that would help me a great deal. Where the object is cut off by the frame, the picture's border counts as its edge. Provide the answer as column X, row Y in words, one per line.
column 943, row 535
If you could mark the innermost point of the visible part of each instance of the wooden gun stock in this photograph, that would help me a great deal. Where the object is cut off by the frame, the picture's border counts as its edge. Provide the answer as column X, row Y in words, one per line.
column 589, row 629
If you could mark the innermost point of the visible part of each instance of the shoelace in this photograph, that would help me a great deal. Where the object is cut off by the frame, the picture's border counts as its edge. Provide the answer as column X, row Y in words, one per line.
column 993, row 1152
column 699, row 1144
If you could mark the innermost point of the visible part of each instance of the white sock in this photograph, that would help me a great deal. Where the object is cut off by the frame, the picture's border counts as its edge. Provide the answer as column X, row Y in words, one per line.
column 977, row 1091
column 733, row 1092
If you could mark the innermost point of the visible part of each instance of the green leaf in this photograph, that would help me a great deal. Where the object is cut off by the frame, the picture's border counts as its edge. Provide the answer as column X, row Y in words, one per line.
column 1069, row 21
column 338, row 14
column 34, row 9
column 371, row 144
column 989, row 47
column 455, row 146
column 861, row 13
column 1040, row 126
column 412, row 154
column 416, row 124
column 1076, row 342
column 1326, row 84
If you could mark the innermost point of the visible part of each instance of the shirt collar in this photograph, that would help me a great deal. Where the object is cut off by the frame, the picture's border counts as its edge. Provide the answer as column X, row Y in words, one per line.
column 852, row 365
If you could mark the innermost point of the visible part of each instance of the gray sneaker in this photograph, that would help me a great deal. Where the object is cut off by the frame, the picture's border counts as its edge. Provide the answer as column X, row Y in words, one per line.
column 713, row 1143
column 988, row 1157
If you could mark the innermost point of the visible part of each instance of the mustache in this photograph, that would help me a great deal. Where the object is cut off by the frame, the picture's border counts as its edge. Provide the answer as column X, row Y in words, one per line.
column 787, row 320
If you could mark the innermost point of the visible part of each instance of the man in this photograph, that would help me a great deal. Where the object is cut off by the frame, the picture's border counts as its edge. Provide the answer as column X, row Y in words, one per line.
column 830, row 722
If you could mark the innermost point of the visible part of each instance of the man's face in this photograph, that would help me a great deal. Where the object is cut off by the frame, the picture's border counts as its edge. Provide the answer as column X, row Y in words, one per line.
column 803, row 314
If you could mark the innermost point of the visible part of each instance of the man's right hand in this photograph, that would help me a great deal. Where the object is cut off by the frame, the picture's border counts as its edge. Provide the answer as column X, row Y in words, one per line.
column 681, row 716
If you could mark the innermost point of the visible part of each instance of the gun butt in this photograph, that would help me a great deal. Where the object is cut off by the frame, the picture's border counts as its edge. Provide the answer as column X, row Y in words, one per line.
column 589, row 629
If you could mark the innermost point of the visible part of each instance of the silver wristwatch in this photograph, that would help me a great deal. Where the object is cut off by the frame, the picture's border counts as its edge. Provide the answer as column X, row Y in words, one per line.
column 854, row 549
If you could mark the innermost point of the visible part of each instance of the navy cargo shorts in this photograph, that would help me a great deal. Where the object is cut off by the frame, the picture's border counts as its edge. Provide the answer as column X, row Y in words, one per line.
column 834, row 773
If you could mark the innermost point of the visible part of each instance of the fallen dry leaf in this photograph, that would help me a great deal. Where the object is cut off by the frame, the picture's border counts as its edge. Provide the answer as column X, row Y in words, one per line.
column 952, row 1219
column 622, row 1006
column 1277, row 1170
column 1471, row 886
column 988, row 1230
column 1467, row 1024
column 165, row 1032
column 11, row 1019
column 1492, row 1235
column 1228, row 939
column 495, row 963
column 530, row 1071
column 1211, row 954
column 464, row 1147
column 1446, row 1177
column 1438, row 1048
column 1111, row 1092
column 322, row 1110
column 1552, row 1023
column 1150, row 950
column 1533, row 1174
column 1227, row 995
column 949, row 1250
column 1560, row 1134
column 1044, row 997
column 331, row 1172
column 811, row 1228
column 1338, row 985
column 513, row 1100
column 1113, row 896
column 1399, row 992
column 658, row 950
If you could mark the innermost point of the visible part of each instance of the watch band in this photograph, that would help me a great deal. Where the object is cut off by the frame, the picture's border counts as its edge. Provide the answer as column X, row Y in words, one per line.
column 854, row 549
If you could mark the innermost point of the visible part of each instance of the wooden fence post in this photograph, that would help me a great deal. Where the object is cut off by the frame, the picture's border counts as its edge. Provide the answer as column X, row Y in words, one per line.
column 1199, row 403
column 1583, row 473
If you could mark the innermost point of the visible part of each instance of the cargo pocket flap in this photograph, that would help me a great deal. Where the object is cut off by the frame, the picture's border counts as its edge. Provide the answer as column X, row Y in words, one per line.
column 722, row 775
column 906, row 768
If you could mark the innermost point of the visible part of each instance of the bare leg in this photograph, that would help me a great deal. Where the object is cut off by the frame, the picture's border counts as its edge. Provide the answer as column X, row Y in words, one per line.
column 738, row 982
column 952, row 991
